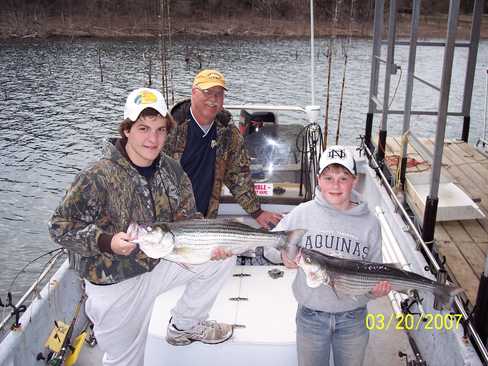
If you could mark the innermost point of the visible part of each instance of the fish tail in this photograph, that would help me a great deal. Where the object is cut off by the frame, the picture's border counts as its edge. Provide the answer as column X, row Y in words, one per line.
column 295, row 237
column 446, row 293
column 292, row 242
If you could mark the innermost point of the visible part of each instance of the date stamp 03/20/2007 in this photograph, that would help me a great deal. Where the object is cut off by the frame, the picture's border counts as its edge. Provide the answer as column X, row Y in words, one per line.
column 400, row 321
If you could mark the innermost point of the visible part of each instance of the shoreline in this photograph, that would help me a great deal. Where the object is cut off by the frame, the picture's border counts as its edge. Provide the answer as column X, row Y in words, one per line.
column 254, row 27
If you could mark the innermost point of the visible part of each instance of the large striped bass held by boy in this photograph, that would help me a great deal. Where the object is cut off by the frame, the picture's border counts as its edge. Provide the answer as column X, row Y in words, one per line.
column 192, row 241
column 348, row 277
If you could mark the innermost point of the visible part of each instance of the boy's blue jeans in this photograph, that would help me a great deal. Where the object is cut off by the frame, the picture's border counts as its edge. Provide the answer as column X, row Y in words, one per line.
column 318, row 331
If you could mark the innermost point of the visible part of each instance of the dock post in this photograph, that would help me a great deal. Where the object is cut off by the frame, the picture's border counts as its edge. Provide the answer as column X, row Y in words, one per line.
column 481, row 307
column 471, row 66
column 412, row 54
column 466, row 125
column 390, row 69
column 375, row 69
column 432, row 200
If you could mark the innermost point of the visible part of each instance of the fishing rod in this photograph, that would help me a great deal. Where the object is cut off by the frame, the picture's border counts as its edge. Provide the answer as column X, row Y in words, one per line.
column 341, row 100
column 419, row 360
column 48, row 267
column 58, row 358
column 327, row 100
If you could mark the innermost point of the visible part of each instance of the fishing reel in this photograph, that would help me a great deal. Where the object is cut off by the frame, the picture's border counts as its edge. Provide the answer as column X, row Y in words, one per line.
column 413, row 299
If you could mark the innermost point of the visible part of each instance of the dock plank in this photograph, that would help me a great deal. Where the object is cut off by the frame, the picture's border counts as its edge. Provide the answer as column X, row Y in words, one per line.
column 459, row 269
column 464, row 243
column 473, row 255
column 475, row 230
column 456, row 231
column 440, row 233
column 484, row 248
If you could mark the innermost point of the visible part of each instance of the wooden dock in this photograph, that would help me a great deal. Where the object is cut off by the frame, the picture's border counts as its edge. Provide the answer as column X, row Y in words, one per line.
column 464, row 243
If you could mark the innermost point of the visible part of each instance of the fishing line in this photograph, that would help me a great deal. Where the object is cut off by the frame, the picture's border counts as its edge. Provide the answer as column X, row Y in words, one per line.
column 33, row 261
column 22, row 270
column 396, row 88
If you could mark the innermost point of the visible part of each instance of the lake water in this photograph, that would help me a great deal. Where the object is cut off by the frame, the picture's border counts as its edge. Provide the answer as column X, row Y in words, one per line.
column 54, row 111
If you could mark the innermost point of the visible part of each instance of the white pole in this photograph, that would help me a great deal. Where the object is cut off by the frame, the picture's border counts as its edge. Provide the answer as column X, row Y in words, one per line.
column 312, row 53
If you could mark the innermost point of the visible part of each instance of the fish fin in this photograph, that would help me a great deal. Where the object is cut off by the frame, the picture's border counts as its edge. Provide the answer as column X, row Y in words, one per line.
column 339, row 294
column 247, row 253
column 240, row 220
column 132, row 229
column 182, row 265
column 394, row 265
column 185, row 255
column 312, row 282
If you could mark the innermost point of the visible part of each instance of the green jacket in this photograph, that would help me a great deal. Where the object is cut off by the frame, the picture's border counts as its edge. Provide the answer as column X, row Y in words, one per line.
column 232, row 166
column 104, row 199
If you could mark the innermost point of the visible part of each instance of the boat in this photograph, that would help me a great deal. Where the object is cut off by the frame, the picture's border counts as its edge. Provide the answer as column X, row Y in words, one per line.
column 405, row 329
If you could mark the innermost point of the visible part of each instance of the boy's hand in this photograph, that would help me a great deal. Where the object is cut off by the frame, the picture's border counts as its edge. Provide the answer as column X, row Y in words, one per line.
column 381, row 289
column 289, row 263
column 121, row 244
column 221, row 253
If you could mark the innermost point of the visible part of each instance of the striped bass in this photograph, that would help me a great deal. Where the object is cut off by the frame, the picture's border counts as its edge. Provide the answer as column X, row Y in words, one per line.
column 355, row 277
column 192, row 241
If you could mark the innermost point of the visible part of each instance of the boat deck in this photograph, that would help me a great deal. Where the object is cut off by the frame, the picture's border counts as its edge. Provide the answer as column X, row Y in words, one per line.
column 267, row 335
column 464, row 243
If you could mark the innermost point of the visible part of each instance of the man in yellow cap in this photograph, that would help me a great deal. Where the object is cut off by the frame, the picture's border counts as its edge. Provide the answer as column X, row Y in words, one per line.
column 205, row 137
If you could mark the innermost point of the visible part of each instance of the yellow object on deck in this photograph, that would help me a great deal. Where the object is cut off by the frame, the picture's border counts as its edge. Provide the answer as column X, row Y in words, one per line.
column 57, row 336
column 77, row 346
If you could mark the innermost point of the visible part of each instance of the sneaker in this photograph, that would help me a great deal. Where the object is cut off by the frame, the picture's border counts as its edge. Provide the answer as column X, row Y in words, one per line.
column 206, row 331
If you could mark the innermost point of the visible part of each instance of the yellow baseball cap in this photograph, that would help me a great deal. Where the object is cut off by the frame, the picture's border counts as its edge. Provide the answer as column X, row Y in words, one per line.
column 207, row 78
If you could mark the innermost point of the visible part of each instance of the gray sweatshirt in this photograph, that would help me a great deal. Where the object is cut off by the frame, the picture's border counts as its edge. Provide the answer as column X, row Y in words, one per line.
column 353, row 234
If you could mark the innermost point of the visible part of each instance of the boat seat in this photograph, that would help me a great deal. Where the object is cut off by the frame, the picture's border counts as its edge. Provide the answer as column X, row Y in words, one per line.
column 265, row 323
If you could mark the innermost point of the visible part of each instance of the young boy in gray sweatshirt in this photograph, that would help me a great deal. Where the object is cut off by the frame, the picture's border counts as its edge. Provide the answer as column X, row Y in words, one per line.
column 337, row 224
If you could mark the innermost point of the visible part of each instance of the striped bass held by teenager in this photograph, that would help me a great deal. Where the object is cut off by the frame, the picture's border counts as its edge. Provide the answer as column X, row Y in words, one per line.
column 192, row 241
column 348, row 277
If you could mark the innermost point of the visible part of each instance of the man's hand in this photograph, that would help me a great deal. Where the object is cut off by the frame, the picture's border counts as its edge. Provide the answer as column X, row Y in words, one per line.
column 121, row 244
column 268, row 220
column 381, row 289
column 221, row 253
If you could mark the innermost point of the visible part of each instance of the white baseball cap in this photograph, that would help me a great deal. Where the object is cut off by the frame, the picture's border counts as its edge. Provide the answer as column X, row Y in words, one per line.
column 143, row 98
column 337, row 155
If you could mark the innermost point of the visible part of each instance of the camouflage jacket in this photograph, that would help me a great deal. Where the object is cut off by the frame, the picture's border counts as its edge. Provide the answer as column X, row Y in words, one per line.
column 232, row 166
column 104, row 199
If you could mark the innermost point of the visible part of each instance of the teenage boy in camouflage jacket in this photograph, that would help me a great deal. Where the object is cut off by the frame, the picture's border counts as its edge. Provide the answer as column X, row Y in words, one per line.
column 134, row 182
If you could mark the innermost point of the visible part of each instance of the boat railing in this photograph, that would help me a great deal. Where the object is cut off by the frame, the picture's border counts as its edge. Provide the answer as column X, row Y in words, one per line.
column 34, row 288
column 432, row 261
column 482, row 141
